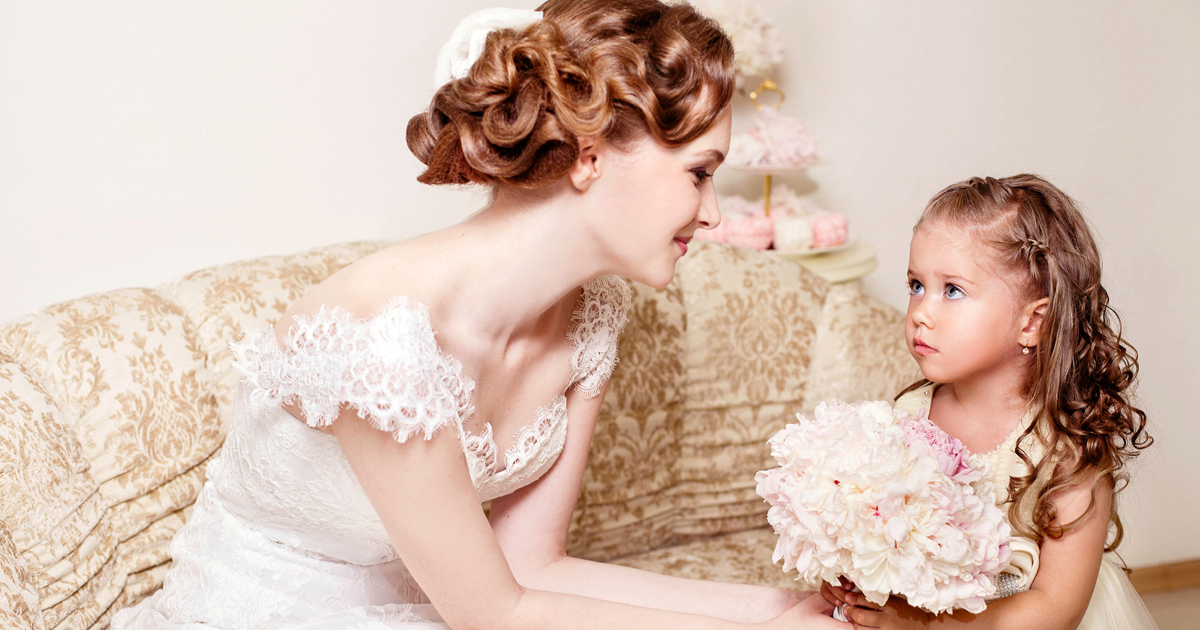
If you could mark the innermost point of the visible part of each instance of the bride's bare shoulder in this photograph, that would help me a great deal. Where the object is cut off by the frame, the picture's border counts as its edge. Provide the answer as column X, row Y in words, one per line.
column 362, row 288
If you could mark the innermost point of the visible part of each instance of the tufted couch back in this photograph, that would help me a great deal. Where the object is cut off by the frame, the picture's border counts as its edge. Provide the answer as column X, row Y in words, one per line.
column 112, row 404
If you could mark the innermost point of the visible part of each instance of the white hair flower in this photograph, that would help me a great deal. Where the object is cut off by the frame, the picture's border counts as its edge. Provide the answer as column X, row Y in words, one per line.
column 466, row 43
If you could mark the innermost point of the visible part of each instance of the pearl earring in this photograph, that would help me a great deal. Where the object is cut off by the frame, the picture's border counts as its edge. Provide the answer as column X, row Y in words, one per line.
column 1024, row 349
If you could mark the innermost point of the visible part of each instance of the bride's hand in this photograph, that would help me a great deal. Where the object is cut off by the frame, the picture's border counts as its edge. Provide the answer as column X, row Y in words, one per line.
column 810, row 612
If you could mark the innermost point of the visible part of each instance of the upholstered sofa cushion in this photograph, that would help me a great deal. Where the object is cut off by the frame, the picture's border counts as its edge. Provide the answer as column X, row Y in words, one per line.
column 860, row 352
column 110, row 406
column 711, row 366
column 110, row 412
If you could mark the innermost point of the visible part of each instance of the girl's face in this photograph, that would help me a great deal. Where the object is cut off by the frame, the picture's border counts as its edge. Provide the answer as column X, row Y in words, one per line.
column 654, row 200
column 964, row 319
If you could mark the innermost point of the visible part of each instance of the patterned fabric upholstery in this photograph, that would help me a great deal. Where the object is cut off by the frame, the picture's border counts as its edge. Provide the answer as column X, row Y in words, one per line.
column 111, row 405
column 741, row 557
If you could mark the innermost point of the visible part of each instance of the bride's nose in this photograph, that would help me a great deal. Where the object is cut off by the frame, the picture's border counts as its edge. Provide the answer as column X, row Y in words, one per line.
column 710, row 215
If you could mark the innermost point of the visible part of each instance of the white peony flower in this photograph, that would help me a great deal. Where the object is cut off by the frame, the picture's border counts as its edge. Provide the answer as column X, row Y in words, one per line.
column 888, row 501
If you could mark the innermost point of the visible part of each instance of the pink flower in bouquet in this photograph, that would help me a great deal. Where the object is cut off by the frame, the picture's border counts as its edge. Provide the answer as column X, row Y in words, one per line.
column 927, row 439
column 888, row 501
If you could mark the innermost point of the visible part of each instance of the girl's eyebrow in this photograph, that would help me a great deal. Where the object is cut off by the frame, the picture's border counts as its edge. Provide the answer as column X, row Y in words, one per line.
column 956, row 279
column 950, row 278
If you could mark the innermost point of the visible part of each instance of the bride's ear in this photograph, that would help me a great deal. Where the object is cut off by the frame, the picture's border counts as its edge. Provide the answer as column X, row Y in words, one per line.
column 589, row 165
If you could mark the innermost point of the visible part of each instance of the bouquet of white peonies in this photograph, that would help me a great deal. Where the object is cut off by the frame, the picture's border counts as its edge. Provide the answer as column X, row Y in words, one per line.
column 889, row 501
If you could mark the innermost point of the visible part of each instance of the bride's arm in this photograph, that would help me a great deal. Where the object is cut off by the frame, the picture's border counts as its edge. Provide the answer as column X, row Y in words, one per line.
column 423, row 493
column 531, row 526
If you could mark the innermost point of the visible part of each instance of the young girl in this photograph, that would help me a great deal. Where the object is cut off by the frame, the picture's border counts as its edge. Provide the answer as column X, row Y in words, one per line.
column 1024, row 361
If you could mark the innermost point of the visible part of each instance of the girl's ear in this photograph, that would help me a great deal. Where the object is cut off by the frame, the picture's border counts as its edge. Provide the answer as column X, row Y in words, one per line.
column 590, row 164
column 1032, row 317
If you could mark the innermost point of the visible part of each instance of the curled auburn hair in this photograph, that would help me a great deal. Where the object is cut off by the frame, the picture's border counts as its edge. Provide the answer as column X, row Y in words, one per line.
column 614, row 69
column 1082, row 372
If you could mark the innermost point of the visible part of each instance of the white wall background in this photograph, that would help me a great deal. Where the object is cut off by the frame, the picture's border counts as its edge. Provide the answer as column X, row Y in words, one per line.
column 142, row 140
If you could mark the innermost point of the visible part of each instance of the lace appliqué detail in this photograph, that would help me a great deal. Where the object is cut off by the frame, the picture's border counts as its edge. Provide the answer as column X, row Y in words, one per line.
column 535, row 449
column 388, row 368
column 595, row 330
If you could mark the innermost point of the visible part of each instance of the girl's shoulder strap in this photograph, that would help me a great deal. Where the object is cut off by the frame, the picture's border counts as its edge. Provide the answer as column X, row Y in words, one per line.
column 915, row 401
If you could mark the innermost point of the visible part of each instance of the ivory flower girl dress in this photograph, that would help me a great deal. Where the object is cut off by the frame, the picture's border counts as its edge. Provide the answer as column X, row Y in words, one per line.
column 1115, row 605
column 282, row 535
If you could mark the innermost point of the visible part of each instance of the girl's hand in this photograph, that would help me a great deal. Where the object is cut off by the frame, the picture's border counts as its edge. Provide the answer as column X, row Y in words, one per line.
column 835, row 595
column 895, row 614
column 811, row 612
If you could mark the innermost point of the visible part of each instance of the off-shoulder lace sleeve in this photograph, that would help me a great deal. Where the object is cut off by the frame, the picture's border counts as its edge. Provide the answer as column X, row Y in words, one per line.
column 595, row 329
column 389, row 369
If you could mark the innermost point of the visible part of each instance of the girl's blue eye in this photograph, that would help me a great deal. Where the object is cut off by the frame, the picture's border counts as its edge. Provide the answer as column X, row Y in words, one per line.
column 954, row 293
column 915, row 287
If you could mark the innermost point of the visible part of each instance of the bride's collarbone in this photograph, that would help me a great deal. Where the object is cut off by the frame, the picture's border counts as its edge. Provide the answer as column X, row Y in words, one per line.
column 509, row 399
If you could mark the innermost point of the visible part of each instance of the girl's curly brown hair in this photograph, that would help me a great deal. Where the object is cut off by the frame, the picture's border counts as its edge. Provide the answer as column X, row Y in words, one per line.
column 614, row 69
column 1082, row 372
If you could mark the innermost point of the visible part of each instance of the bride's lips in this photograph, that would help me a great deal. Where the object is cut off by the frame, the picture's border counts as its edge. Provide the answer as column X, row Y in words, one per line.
column 682, row 242
column 922, row 348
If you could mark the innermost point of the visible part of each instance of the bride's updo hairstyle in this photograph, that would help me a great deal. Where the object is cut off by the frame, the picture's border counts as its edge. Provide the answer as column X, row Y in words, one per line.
column 614, row 69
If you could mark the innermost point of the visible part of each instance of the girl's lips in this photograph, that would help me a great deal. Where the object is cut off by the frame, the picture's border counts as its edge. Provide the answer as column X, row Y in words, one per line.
column 920, row 347
column 682, row 242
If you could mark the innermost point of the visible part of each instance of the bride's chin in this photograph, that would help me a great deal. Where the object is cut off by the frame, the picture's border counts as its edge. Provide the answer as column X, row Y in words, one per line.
column 662, row 279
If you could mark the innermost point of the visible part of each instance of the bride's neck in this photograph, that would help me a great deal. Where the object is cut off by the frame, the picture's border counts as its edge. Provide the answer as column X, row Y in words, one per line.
column 518, row 259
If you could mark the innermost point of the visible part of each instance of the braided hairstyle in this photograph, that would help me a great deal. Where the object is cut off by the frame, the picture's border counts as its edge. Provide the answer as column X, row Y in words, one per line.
column 1082, row 372
column 614, row 69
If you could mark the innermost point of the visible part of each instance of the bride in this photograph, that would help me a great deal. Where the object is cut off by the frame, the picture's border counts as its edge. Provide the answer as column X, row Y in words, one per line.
column 469, row 364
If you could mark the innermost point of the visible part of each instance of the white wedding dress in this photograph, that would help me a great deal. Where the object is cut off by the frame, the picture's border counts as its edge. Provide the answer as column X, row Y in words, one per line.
column 282, row 535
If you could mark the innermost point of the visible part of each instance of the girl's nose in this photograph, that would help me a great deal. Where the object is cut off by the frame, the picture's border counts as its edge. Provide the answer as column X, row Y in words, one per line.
column 920, row 315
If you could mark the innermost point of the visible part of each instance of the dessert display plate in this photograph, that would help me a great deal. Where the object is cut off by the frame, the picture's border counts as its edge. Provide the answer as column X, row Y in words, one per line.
column 850, row 240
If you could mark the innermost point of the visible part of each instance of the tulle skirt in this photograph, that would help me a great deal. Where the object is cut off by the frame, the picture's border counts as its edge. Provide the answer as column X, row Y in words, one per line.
column 1115, row 604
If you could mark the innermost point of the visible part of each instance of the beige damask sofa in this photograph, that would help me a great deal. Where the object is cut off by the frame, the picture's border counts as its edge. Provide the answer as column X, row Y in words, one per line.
column 112, row 404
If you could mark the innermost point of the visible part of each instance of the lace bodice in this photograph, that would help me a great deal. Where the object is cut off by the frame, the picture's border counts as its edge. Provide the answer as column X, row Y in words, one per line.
column 392, row 372
column 282, row 532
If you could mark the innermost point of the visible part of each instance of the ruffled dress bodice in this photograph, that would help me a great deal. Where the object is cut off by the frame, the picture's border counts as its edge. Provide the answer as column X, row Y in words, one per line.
column 282, row 534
